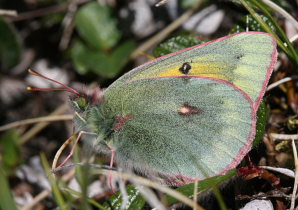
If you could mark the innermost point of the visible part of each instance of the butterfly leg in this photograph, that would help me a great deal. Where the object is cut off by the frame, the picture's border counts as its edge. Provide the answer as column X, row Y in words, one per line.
column 111, row 166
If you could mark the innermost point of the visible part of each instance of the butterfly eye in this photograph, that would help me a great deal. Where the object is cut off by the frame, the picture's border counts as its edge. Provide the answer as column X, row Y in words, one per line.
column 81, row 103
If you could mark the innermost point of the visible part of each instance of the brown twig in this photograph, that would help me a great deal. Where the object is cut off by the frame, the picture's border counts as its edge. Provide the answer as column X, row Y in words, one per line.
column 294, row 38
column 37, row 199
column 284, row 171
column 37, row 128
column 283, row 137
column 43, row 11
column 293, row 197
column 271, row 194
column 11, row 13
column 68, row 24
column 165, row 32
column 36, row 120
column 39, row 12
column 195, row 193
column 162, row 2
column 270, row 150
column 47, row 192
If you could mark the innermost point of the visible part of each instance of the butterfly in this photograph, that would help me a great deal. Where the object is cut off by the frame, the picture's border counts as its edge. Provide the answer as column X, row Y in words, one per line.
column 184, row 116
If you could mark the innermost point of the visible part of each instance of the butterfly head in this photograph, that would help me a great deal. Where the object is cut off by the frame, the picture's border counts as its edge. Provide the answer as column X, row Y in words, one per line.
column 85, row 100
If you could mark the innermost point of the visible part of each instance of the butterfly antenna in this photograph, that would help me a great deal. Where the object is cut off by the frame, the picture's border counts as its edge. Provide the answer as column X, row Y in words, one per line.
column 67, row 88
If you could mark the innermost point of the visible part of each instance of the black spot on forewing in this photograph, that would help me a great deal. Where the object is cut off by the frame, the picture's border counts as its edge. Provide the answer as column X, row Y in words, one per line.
column 185, row 68
column 187, row 110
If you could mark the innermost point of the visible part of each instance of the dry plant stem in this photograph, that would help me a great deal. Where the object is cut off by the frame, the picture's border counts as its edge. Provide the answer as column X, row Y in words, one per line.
column 11, row 13
column 111, row 166
column 66, row 37
column 39, row 12
column 36, row 200
column 262, row 196
column 124, row 194
column 150, row 197
column 270, row 150
column 162, row 2
column 283, row 137
column 164, row 33
column 46, row 193
column 44, row 11
column 284, row 171
column 296, row 175
column 37, row 128
column 36, row 120
column 279, row 82
column 195, row 192
column 282, row 12
column 148, row 183
column 294, row 38
column 68, row 24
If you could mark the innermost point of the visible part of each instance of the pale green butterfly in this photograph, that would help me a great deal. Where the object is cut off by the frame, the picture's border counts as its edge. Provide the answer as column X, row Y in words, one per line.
column 184, row 116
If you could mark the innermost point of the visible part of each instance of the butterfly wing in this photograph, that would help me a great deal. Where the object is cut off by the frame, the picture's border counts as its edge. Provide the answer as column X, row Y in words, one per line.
column 245, row 59
column 191, row 114
column 187, row 127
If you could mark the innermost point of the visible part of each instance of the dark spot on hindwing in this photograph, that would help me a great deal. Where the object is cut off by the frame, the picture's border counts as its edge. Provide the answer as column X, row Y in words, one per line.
column 239, row 56
column 185, row 68
column 187, row 110
column 120, row 121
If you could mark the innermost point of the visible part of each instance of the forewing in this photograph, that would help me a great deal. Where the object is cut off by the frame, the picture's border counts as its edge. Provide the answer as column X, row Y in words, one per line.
column 244, row 59
column 186, row 127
